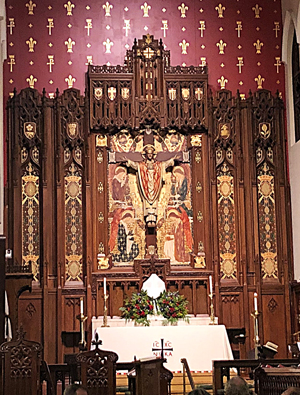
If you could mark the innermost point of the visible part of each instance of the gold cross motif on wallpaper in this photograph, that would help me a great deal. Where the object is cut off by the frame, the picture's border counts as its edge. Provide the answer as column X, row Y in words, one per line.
column 202, row 27
column 239, row 28
column 127, row 26
column 11, row 25
column 88, row 26
column 276, row 28
column 50, row 25
column 165, row 27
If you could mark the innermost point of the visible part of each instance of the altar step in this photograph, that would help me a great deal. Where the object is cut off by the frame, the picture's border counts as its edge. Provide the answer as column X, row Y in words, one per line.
column 200, row 379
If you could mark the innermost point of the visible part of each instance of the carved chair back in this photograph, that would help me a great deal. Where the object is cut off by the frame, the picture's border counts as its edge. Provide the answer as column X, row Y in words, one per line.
column 98, row 370
column 21, row 360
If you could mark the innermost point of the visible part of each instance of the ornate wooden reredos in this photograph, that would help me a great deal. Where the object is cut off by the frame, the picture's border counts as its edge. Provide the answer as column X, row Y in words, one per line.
column 79, row 208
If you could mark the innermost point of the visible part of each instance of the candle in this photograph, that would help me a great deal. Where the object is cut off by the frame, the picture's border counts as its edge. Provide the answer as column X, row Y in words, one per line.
column 255, row 301
column 210, row 285
column 104, row 285
column 44, row 388
column 81, row 306
column 59, row 388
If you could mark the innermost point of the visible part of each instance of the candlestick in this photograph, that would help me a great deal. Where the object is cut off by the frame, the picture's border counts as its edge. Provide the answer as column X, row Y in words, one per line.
column 82, row 318
column 255, row 315
column 255, row 302
column 212, row 312
column 104, row 285
column 105, row 311
column 210, row 285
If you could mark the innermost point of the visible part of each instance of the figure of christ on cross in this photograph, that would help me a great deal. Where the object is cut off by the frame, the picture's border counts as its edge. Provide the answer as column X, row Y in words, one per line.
column 150, row 167
column 151, row 171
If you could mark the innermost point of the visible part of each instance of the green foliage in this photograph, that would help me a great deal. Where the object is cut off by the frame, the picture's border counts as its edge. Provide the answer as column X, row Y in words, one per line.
column 171, row 305
column 137, row 308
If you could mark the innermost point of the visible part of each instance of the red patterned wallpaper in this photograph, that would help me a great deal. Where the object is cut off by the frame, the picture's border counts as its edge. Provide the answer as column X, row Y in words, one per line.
column 256, row 46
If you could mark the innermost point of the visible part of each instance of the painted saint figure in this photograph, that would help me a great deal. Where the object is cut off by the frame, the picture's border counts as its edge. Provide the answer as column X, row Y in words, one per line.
column 122, row 237
column 119, row 184
column 179, row 189
column 178, row 240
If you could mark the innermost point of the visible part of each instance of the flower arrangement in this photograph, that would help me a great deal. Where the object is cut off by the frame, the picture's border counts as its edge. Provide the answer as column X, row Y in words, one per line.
column 172, row 307
column 138, row 308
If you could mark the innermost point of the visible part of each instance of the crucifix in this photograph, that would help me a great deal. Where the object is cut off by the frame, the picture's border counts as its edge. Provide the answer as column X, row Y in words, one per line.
column 277, row 64
column 127, row 26
column 150, row 167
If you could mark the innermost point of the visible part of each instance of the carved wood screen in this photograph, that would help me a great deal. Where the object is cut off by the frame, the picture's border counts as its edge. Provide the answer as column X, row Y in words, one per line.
column 65, row 153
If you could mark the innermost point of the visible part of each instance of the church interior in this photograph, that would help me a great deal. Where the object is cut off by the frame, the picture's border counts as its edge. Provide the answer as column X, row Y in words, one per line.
column 149, row 189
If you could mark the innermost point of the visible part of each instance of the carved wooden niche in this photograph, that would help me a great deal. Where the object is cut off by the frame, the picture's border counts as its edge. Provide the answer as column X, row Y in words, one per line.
column 147, row 105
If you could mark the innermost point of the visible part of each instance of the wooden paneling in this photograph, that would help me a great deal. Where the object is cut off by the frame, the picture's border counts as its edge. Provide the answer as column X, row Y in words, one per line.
column 231, row 308
column 202, row 302
column 274, row 325
column 30, row 317
column 238, row 151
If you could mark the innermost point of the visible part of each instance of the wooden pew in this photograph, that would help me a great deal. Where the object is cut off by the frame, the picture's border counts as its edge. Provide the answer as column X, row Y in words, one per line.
column 274, row 381
column 222, row 369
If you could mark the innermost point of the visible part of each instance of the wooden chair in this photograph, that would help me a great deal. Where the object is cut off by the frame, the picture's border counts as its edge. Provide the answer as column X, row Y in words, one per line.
column 21, row 361
column 98, row 370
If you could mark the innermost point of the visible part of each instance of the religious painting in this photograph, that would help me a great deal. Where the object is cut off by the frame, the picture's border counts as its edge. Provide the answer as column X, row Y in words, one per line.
column 149, row 193
column 174, row 234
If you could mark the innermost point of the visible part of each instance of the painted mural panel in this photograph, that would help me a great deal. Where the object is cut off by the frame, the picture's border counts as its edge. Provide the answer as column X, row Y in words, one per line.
column 149, row 188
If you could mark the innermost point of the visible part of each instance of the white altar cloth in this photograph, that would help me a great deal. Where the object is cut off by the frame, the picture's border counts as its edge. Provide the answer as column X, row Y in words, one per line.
column 199, row 344
column 200, row 319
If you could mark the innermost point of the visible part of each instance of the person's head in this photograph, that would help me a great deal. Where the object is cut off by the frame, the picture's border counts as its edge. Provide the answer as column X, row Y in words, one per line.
column 178, row 173
column 236, row 386
column 128, row 219
column 120, row 174
column 75, row 389
column 174, row 218
column 122, row 139
column 149, row 152
column 291, row 391
column 174, row 139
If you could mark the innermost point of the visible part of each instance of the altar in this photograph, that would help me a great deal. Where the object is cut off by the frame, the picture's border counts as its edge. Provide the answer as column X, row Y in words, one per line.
column 199, row 343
